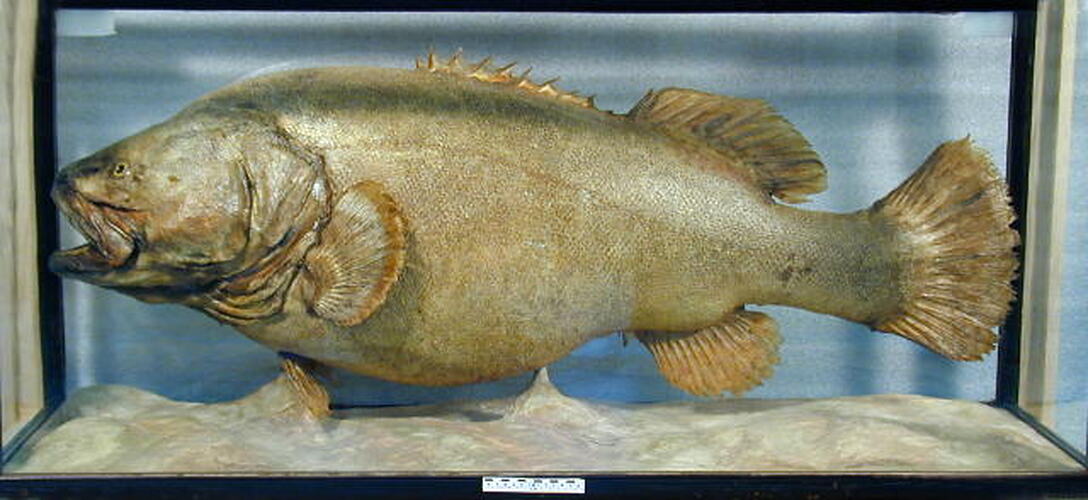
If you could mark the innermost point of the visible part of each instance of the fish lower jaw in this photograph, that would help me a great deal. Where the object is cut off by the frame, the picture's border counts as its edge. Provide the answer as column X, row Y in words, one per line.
column 80, row 260
column 109, row 245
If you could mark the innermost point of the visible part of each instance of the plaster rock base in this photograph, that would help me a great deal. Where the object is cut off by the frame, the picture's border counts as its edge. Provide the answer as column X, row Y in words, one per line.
column 121, row 429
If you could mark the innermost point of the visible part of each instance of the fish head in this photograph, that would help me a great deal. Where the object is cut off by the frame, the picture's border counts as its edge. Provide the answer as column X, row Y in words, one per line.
column 164, row 212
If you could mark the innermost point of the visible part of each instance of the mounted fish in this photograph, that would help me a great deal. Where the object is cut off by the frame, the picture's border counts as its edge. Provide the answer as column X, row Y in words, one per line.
column 457, row 223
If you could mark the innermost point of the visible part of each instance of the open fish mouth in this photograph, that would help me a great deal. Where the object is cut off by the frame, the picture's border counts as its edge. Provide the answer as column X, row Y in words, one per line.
column 107, row 228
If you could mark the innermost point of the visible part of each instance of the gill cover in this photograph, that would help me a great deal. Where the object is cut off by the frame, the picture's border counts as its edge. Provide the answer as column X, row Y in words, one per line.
column 287, row 199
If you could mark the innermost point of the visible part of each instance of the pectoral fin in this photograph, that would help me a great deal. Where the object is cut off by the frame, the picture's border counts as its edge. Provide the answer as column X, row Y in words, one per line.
column 362, row 249
column 734, row 355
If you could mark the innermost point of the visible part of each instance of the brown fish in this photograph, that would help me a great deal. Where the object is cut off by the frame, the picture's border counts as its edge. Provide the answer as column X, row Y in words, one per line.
column 457, row 223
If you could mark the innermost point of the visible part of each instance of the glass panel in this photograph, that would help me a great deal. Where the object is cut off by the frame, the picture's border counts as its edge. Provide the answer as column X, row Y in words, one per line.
column 874, row 94
column 1071, row 410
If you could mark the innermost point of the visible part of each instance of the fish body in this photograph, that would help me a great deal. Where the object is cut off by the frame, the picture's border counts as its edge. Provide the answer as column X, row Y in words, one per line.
column 453, row 224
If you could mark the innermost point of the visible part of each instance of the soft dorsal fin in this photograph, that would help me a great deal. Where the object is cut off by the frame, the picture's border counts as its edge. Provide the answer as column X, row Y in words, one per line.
column 734, row 355
column 360, row 256
column 484, row 71
column 750, row 130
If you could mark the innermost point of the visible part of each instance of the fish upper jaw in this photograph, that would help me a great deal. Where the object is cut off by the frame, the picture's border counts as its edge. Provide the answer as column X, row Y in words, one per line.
column 109, row 230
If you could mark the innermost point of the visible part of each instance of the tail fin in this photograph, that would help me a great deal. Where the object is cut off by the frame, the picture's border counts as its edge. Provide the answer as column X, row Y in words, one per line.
column 956, row 252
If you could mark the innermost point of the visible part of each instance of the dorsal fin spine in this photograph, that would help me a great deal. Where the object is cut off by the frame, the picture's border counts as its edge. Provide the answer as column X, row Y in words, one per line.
column 483, row 71
column 480, row 65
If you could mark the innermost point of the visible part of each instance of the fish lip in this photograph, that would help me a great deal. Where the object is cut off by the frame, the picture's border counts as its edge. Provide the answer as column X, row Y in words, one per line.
column 111, row 241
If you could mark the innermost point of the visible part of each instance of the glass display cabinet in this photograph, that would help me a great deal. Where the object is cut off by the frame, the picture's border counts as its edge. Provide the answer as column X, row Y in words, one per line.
column 106, row 394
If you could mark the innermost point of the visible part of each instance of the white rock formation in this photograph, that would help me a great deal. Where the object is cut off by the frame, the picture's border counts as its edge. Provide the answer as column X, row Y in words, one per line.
column 120, row 429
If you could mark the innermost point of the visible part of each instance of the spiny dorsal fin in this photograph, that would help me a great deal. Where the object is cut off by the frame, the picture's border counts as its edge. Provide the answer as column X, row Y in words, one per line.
column 361, row 253
column 484, row 71
column 746, row 129
column 734, row 355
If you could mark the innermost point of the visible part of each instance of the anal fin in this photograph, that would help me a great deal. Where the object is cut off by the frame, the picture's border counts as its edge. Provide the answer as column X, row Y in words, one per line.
column 734, row 355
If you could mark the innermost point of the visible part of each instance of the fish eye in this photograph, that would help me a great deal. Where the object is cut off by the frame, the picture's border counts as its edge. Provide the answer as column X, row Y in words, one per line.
column 120, row 169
